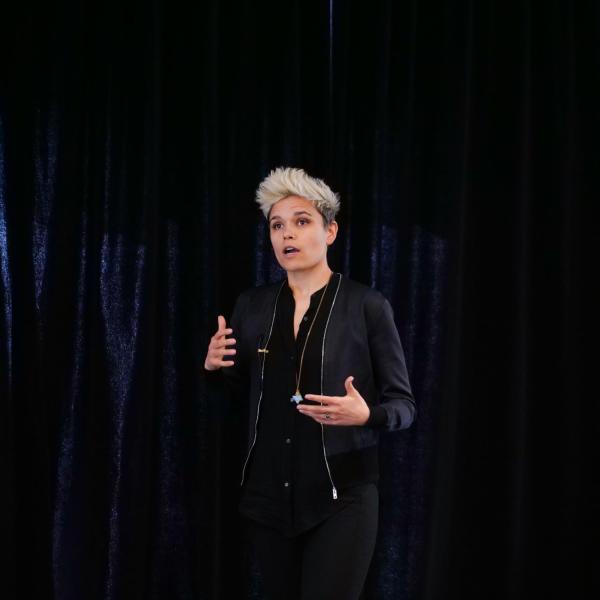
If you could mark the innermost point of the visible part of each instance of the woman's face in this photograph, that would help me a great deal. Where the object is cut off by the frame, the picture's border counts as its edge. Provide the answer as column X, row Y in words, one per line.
column 295, row 222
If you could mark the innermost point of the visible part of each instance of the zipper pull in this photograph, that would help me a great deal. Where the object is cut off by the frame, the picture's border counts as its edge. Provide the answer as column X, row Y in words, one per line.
column 334, row 493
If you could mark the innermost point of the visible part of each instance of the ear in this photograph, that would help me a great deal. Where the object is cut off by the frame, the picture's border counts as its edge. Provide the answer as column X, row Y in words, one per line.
column 332, row 230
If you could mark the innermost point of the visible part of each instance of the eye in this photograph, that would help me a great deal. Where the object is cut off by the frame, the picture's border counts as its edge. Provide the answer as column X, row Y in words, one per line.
column 274, row 226
column 303, row 221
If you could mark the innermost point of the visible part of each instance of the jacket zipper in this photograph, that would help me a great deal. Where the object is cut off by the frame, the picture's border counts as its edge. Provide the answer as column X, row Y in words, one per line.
column 262, row 373
column 333, row 488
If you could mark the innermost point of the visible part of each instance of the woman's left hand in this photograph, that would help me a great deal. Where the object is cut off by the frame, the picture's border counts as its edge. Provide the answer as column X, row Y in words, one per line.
column 350, row 409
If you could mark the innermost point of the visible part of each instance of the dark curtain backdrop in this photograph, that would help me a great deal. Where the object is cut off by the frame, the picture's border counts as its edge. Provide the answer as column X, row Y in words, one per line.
column 463, row 139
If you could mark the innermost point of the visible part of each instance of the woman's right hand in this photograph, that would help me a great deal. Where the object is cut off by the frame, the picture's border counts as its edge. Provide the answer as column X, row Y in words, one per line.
column 218, row 347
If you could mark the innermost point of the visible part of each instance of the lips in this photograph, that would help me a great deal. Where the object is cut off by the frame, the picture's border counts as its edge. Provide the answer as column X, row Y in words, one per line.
column 289, row 250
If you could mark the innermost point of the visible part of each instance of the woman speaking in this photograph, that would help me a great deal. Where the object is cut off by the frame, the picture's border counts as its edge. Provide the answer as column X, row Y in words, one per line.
column 319, row 359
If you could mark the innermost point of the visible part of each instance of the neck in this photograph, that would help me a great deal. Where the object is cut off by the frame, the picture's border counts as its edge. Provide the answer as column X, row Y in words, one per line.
column 306, row 282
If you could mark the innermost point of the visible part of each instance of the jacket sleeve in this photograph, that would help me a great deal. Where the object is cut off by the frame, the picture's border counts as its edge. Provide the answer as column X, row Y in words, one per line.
column 397, row 406
column 233, row 377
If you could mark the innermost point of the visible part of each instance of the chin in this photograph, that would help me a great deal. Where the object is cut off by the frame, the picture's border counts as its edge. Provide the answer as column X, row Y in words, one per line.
column 294, row 268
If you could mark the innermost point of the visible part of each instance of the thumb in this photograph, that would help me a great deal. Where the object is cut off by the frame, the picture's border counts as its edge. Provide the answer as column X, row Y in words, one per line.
column 349, row 385
column 221, row 322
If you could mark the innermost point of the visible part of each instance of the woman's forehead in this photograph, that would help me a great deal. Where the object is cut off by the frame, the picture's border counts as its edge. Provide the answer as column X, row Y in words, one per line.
column 292, row 205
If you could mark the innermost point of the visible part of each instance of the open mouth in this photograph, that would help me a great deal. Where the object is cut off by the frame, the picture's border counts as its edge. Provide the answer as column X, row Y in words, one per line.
column 288, row 250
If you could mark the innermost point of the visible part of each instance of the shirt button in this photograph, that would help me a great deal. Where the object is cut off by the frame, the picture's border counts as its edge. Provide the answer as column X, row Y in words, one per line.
column 292, row 357
column 288, row 440
column 286, row 484
column 305, row 319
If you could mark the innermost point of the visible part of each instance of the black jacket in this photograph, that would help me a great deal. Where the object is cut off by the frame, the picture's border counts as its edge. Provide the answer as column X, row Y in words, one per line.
column 360, row 339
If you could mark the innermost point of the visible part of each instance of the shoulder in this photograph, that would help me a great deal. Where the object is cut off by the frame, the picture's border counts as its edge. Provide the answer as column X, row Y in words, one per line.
column 371, row 299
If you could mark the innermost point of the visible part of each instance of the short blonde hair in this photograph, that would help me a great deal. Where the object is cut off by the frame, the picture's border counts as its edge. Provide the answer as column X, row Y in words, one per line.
column 287, row 181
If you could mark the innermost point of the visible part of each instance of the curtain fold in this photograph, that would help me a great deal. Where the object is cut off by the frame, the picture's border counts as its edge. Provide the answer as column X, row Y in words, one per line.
column 462, row 138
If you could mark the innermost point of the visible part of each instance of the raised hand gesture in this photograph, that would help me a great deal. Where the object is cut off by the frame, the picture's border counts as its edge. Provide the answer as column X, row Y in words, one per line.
column 217, row 348
column 350, row 409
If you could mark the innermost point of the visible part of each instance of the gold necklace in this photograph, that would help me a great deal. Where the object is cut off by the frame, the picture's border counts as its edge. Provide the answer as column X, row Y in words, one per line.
column 297, row 397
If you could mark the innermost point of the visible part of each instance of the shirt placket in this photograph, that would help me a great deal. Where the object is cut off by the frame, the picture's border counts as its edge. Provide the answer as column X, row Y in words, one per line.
column 288, row 439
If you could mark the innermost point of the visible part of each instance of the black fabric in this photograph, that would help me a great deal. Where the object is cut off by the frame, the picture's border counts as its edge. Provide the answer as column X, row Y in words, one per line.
column 288, row 487
column 329, row 561
column 462, row 137
column 362, row 340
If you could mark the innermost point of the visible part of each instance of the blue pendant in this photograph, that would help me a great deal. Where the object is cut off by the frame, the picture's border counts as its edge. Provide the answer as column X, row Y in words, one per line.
column 297, row 398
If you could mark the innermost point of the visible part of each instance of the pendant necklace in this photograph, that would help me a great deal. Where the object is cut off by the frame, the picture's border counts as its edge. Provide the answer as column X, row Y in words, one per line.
column 297, row 397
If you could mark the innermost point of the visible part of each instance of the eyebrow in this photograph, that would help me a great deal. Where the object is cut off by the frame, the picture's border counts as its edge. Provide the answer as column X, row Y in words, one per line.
column 298, row 212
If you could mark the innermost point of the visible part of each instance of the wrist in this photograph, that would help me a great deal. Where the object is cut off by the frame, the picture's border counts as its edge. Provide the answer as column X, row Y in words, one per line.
column 366, row 416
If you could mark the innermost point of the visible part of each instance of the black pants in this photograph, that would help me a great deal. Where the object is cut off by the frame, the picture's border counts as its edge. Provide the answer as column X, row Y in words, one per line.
column 328, row 562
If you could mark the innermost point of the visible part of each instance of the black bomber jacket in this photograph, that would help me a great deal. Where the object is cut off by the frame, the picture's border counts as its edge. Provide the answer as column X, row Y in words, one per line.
column 360, row 339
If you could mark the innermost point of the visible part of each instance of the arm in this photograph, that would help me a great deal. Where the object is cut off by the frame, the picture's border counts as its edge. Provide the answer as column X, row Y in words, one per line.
column 396, row 409
column 397, row 406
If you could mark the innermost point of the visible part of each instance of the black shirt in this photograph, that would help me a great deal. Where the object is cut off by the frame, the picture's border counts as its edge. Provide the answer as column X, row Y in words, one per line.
column 288, row 486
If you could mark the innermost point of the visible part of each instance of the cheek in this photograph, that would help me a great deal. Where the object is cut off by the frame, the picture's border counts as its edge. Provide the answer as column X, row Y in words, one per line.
column 318, row 242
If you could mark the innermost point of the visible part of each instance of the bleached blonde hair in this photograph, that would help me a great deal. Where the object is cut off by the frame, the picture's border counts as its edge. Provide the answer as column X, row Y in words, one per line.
column 287, row 181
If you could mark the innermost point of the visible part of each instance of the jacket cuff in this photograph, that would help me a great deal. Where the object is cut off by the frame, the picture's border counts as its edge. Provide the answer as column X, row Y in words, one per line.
column 377, row 417
column 212, row 375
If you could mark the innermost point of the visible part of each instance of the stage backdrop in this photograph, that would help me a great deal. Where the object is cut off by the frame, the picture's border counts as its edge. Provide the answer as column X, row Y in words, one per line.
column 462, row 138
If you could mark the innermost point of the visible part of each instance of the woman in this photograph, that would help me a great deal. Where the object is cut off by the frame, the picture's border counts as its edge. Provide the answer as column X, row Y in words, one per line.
column 321, row 361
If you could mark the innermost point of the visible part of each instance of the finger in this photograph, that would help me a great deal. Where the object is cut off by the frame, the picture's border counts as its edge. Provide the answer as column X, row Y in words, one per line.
column 334, row 419
column 318, row 398
column 220, row 335
column 315, row 410
column 222, row 328
column 218, row 353
column 349, row 385
column 331, row 421
column 227, row 363
column 222, row 343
